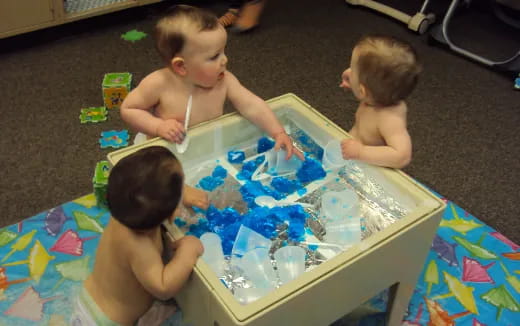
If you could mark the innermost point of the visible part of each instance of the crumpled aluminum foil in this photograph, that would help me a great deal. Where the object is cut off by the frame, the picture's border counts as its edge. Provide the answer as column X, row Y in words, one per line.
column 381, row 204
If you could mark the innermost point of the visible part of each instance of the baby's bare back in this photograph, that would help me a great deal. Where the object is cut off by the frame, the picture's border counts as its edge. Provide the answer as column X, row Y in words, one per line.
column 207, row 104
column 112, row 284
column 370, row 121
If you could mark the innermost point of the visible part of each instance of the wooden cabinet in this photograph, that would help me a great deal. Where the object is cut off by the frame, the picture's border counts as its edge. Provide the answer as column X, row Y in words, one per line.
column 21, row 16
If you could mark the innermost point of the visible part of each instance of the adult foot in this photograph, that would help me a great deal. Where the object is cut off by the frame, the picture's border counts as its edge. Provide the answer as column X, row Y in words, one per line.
column 249, row 16
column 229, row 18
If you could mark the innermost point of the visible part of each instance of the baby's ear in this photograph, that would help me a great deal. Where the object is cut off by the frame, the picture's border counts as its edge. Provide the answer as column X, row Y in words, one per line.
column 178, row 66
column 363, row 92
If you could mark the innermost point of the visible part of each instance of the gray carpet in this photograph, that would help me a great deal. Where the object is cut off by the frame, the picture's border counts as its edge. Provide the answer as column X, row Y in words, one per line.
column 464, row 118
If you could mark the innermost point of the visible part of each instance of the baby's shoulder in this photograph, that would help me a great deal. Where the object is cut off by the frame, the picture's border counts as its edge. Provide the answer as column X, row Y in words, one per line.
column 230, row 79
column 398, row 110
column 157, row 79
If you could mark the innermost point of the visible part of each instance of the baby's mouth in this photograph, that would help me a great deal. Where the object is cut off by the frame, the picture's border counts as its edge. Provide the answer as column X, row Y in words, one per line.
column 221, row 75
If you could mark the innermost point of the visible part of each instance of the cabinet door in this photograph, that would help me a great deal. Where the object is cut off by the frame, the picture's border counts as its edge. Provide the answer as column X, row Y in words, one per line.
column 15, row 14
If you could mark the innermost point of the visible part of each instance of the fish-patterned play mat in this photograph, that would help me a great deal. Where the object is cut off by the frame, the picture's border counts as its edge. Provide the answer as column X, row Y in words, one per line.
column 471, row 276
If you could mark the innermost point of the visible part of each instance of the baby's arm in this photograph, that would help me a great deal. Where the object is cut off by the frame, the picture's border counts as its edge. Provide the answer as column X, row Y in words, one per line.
column 398, row 150
column 195, row 197
column 135, row 110
column 164, row 281
column 256, row 110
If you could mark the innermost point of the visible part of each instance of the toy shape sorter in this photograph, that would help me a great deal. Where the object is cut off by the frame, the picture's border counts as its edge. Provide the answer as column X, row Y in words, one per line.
column 115, row 87
column 400, row 218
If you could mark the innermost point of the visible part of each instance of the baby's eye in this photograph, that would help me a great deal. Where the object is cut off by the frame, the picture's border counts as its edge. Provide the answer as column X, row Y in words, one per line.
column 214, row 57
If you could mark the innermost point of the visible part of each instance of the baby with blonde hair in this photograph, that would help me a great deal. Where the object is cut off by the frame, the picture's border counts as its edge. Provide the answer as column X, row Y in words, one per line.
column 383, row 72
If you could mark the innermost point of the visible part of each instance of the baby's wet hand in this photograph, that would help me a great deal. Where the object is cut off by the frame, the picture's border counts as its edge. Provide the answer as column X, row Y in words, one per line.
column 351, row 148
column 282, row 140
column 195, row 197
column 171, row 130
column 189, row 245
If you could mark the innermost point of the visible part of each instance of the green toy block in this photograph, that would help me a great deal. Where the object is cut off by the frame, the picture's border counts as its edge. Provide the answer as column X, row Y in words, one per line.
column 116, row 86
column 100, row 183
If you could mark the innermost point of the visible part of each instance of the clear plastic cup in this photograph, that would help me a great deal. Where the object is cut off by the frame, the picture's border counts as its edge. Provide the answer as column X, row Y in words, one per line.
column 345, row 232
column 278, row 164
column 337, row 205
column 247, row 240
column 213, row 254
column 248, row 295
column 257, row 266
column 332, row 156
column 290, row 262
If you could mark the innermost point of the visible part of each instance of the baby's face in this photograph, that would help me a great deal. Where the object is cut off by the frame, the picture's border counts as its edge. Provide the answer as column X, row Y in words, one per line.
column 350, row 77
column 205, row 58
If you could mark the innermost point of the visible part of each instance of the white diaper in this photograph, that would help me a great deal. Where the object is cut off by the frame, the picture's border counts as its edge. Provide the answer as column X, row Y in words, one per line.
column 87, row 313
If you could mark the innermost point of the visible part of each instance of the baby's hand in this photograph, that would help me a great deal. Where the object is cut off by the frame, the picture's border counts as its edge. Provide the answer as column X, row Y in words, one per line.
column 171, row 130
column 189, row 245
column 351, row 148
column 195, row 197
column 282, row 140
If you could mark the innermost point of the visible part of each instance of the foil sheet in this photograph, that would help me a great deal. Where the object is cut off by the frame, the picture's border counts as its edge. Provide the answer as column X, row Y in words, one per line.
column 381, row 204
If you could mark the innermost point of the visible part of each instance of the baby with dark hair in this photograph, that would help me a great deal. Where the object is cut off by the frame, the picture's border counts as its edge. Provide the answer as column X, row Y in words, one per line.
column 192, row 44
column 144, row 190
column 383, row 72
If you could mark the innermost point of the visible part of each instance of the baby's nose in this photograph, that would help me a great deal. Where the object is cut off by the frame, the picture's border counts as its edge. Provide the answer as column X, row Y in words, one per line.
column 345, row 79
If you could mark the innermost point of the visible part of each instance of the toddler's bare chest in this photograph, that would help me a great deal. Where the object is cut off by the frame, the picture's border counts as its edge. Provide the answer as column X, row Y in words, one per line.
column 205, row 106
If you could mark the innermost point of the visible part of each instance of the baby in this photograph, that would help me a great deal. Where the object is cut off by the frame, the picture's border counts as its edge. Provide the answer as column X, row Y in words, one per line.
column 144, row 190
column 383, row 72
column 192, row 43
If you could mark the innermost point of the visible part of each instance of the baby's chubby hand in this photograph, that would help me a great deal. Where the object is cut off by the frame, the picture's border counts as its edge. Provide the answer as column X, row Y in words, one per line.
column 171, row 130
column 351, row 148
column 282, row 140
column 189, row 245
column 195, row 197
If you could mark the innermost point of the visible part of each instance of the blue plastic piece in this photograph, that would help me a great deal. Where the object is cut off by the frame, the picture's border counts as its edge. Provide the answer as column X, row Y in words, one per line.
column 210, row 183
column 219, row 172
column 264, row 144
column 216, row 179
column 236, row 157
column 252, row 189
column 302, row 191
column 296, row 230
column 228, row 235
column 285, row 185
column 179, row 222
column 311, row 170
column 249, row 168
column 199, row 228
